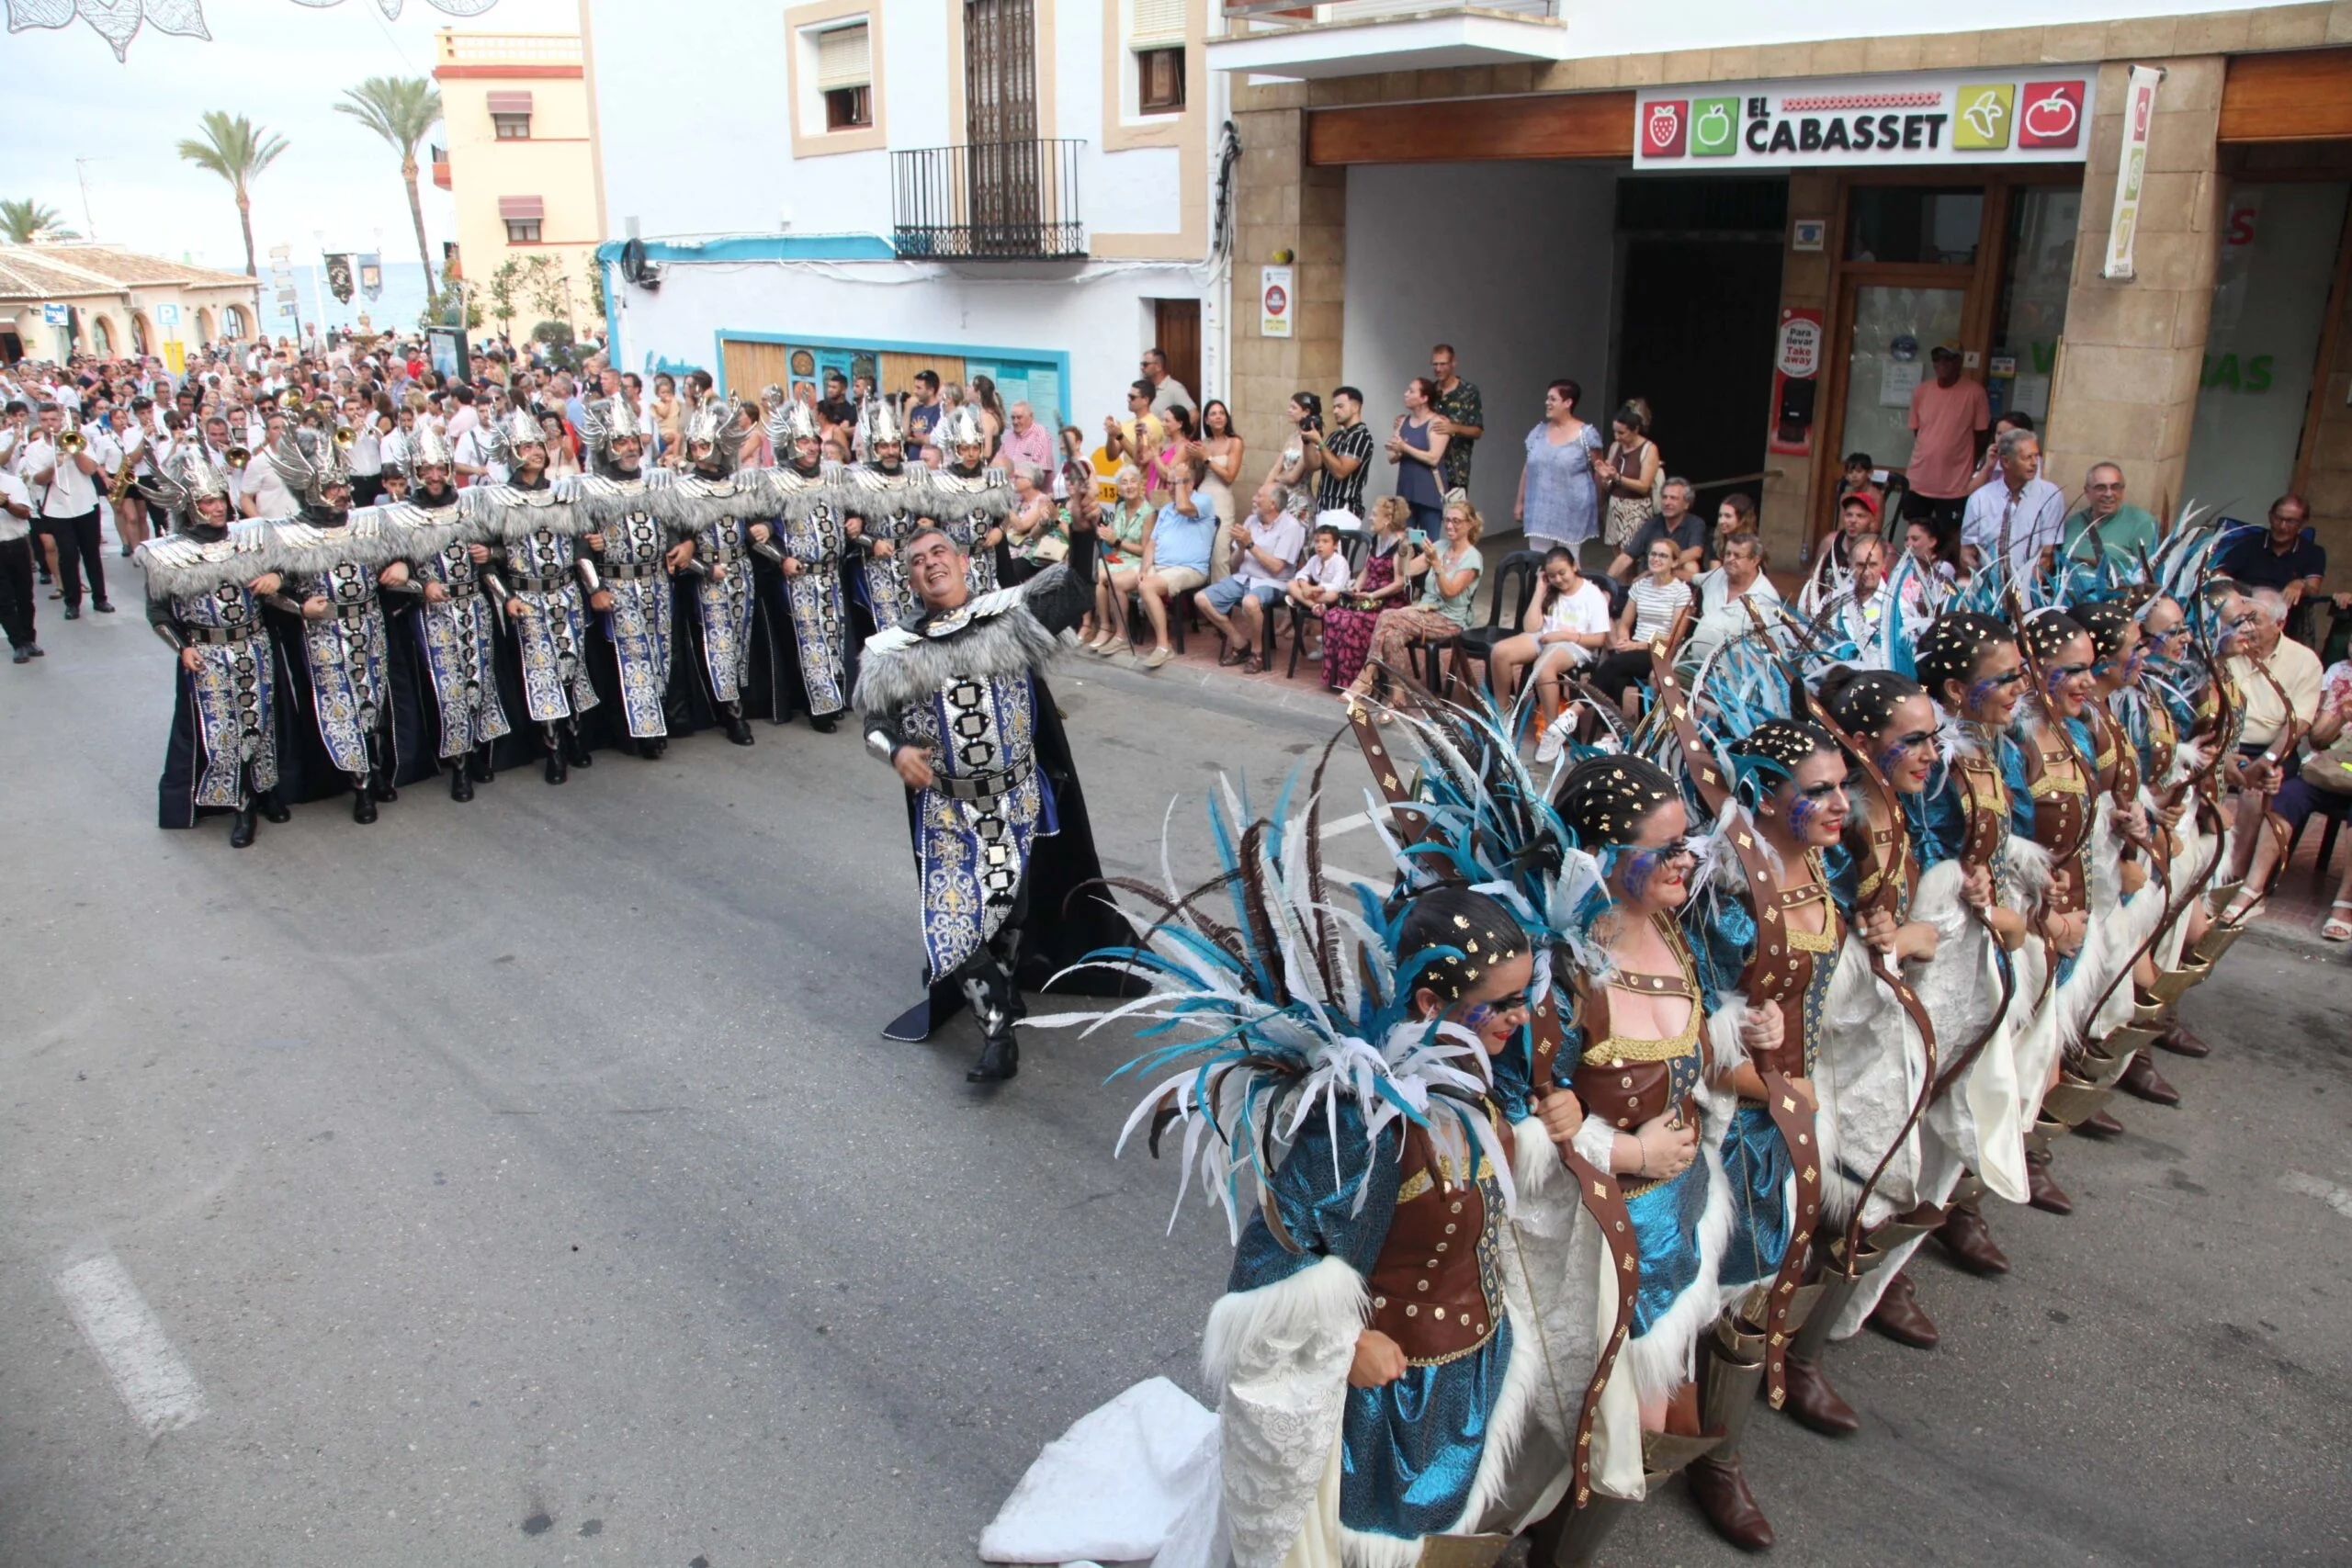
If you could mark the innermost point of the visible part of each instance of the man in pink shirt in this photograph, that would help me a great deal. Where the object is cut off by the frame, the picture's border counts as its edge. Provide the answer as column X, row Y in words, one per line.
column 1026, row 443
column 1948, row 416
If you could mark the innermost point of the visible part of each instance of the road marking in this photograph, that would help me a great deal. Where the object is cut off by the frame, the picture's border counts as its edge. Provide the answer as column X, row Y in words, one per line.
column 155, row 1384
column 1345, row 824
column 2336, row 1197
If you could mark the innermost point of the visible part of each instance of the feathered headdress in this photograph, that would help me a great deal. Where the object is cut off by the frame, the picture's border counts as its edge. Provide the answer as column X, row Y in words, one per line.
column 602, row 423
column 788, row 423
column 961, row 428
column 426, row 448
column 713, row 424
column 878, row 423
column 187, row 477
column 512, row 431
column 307, row 461
column 1296, row 1006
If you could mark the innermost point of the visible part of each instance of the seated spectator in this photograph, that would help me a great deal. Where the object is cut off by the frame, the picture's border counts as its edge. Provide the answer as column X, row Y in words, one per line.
column 1442, row 611
column 2286, row 558
column 1348, row 625
column 1322, row 579
column 1857, row 519
column 1859, row 475
column 1931, row 570
column 1120, row 565
column 2327, row 776
column 1988, row 466
column 1720, row 614
column 2125, row 531
column 1565, row 629
column 2267, row 667
column 1266, row 547
column 1176, row 555
column 1676, row 523
column 1735, row 513
column 1861, row 615
column 1034, row 534
column 1651, row 605
column 1025, row 442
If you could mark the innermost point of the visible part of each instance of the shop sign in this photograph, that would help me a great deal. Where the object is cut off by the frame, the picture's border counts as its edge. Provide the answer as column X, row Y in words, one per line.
column 1796, row 369
column 2041, row 115
column 1274, row 301
column 55, row 315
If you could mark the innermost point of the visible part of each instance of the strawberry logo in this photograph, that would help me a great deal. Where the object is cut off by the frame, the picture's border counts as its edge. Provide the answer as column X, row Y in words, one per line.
column 1663, row 130
column 2051, row 114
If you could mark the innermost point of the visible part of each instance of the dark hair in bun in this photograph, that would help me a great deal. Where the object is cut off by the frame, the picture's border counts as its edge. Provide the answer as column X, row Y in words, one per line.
column 1474, row 931
column 1955, row 645
column 1863, row 701
column 2047, row 631
column 1605, row 799
column 2110, row 622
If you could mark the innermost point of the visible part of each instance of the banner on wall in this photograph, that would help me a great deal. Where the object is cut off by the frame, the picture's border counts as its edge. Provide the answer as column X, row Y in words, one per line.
column 1796, row 372
column 2037, row 116
column 2131, row 173
column 371, row 276
column 1276, row 301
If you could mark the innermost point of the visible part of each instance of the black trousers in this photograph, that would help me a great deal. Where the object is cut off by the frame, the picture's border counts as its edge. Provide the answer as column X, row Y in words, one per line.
column 77, row 551
column 1626, row 667
column 16, row 592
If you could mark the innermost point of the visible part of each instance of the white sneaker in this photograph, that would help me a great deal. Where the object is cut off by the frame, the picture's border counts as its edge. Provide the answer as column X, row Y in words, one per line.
column 1556, row 736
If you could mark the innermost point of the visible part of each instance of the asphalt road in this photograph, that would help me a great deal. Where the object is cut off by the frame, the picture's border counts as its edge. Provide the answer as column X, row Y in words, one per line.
column 525, row 1182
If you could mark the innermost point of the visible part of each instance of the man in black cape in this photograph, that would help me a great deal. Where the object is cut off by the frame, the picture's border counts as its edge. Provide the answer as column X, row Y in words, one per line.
column 953, row 700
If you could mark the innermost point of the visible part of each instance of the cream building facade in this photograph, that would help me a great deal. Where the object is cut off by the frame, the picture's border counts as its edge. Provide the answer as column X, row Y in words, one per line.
column 520, row 164
column 116, row 302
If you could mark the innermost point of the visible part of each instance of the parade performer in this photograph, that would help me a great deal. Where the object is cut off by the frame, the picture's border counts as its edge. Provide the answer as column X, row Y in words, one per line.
column 541, row 579
column 456, row 627
column 812, row 539
column 2160, row 715
column 886, row 499
column 614, row 513
column 204, row 581
column 335, row 562
column 953, row 699
column 710, row 511
column 966, row 497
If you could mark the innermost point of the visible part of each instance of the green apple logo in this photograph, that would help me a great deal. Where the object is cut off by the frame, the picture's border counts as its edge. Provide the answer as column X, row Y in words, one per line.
column 1712, row 130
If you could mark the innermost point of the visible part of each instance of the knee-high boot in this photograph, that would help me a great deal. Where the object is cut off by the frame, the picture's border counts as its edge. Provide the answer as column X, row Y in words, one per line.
column 1731, row 1369
column 1811, row 1399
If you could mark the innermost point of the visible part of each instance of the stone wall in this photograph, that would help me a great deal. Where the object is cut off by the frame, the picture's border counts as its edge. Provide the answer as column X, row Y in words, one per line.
column 1283, row 205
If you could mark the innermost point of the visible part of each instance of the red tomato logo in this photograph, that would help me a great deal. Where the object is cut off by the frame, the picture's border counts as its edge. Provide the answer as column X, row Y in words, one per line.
column 2050, row 114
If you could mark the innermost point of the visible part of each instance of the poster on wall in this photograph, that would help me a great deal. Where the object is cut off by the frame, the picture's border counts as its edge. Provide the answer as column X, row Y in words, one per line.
column 2139, row 115
column 1275, row 301
column 2039, row 115
column 1796, row 371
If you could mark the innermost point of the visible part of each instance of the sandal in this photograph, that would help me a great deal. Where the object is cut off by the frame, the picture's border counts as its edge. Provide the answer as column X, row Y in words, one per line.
column 1254, row 664
column 2337, row 928
column 2242, row 910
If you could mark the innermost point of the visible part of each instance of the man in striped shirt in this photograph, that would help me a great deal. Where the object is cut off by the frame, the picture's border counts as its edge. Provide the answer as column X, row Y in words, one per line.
column 1346, row 455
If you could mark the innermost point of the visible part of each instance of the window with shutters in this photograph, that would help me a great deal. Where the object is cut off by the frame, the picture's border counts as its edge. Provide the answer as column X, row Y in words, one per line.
column 836, row 59
column 845, row 76
column 512, row 127
column 1155, row 38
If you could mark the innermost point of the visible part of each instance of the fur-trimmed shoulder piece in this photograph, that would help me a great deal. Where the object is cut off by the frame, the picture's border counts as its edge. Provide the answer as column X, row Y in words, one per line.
column 988, row 494
column 367, row 539
column 600, row 502
column 179, row 566
column 996, row 635
column 427, row 530
column 503, row 512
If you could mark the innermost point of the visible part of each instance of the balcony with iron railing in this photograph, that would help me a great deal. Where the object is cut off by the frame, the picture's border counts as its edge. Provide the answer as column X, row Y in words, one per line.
column 1355, row 37
column 988, row 201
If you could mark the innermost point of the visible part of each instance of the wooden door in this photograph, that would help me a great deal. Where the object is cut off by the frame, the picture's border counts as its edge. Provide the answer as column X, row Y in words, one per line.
column 1177, row 328
column 1003, row 177
column 745, row 367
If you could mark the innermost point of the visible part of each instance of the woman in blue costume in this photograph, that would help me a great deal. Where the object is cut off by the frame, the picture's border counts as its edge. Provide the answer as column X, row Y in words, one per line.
column 2159, row 714
column 1766, row 936
column 2053, row 799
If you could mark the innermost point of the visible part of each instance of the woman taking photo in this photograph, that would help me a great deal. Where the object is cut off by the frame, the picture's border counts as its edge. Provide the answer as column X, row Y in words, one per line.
column 1442, row 611
column 1347, row 625
column 1417, row 450
column 1559, row 492
column 1296, row 461
column 1631, row 474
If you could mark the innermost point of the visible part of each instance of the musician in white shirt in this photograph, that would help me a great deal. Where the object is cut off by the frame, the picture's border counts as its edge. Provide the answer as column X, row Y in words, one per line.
column 65, row 490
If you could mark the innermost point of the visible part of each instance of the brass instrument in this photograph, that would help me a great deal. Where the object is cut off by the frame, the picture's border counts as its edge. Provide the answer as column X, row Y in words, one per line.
column 345, row 436
column 70, row 440
column 118, row 491
column 290, row 400
column 238, row 455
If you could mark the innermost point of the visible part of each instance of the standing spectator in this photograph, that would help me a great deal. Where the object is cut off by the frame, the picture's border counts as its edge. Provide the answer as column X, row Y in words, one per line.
column 667, row 410
column 65, row 488
column 922, row 414
column 991, row 409
column 1346, row 451
column 1322, row 579
column 1565, row 629
column 367, row 453
column 2020, row 508
column 1266, row 549
column 1442, row 613
column 1651, row 607
column 1461, row 416
column 1166, row 392
column 1559, row 492
column 1677, row 524
column 1026, row 443
column 1417, row 447
column 2285, row 558
column 465, row 419
column 1222, row 448
column 1630, row 473
column 1296, row 460
column 17, row 568
column 1948, row 413
column 1348, row 625
column 2124, row 530
column 1175, row 556
column 1857, row 475
column 836, row 415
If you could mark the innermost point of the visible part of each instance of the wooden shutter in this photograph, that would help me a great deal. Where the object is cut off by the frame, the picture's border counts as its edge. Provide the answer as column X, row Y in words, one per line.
column 844, row 58
column 1159, row 24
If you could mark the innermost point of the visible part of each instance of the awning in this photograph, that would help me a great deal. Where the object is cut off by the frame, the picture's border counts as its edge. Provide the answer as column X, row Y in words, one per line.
column 512, row 208
column 510, row 103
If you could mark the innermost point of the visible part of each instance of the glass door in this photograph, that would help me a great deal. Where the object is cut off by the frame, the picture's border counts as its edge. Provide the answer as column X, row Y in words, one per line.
column 1891, row 329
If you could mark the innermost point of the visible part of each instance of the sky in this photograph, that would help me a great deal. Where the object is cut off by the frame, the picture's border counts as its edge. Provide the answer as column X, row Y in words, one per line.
column 281, row 64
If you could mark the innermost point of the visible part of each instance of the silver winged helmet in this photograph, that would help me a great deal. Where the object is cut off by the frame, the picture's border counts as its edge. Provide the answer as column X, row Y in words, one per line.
column 603, row 423
column 310, row 463
column 878, row 426
column 789, row 424
column 961, row 429
column 714, row 424
column 184, row 480
column 427, row 447
column 511, row 432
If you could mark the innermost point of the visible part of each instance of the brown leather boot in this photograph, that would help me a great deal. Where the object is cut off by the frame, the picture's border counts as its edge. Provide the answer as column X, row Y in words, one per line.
column 2045, row 1194
column 1899, row 1317
column 2099, row 1125
column 2142, row 1078
column 1968, row 1241
column 1812, row 1402
column 2178, row 1039
column 1720, row 1489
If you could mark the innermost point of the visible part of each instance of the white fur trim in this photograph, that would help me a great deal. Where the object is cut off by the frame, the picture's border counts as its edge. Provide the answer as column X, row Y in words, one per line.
column 1326, row 1298
column 1535, row 1163
column 1660, row 1360
column 1596, row 1140
column 1725, row 1054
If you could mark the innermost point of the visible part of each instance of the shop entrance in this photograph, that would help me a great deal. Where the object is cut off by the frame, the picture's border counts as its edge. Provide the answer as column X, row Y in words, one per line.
column 1977, row 260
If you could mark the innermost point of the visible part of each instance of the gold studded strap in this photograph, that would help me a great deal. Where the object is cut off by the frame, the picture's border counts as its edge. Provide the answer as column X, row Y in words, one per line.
column 1410, row 822
column 1794, row 1117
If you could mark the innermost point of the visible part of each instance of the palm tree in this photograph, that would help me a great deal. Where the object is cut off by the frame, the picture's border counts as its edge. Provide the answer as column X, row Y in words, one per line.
column 237, row 151
column 25, row 221
column 401, row 110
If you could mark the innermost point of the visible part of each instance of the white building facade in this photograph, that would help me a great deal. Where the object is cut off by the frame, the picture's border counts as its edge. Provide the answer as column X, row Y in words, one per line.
column 1024, row 189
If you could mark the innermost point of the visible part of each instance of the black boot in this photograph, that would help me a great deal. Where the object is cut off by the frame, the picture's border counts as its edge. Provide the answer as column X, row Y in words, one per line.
column 557, row 773
column 988, row 985
column 363, row 804
column 461, row 787
column 266, row 801
column 478, row 765
column 651, row 750
column 822, row 723
column 575, row 750
column 241, row 828
column 379, row 777
column 739, row 728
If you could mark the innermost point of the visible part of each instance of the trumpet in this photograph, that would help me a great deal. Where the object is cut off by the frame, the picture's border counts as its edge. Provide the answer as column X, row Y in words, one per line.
column 345, row 436
column 290, row 400
column 238, row 455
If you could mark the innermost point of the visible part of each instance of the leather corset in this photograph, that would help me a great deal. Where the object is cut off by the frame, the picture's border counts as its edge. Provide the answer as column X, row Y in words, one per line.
column 1435, row 1287
column 1629, row 1083
column 1780, row 973
column 2061, row 821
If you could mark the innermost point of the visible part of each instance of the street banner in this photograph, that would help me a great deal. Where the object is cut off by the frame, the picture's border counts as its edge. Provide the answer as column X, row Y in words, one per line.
column 339, row 276
column 2131, row 172
column 371, row 276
